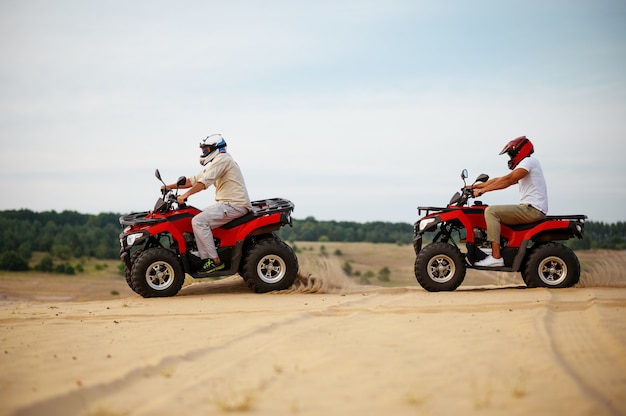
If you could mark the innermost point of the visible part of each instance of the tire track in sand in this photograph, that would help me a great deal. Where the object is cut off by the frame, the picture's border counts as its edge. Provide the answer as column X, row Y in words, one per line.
column 593, row 357
column 214, row 385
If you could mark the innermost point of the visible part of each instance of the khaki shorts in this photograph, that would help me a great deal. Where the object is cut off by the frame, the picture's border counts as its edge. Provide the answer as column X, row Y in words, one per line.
column 509, row 214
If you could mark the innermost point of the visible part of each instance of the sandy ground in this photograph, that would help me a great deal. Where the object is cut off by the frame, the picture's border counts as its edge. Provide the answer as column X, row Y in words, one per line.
column 323, row 348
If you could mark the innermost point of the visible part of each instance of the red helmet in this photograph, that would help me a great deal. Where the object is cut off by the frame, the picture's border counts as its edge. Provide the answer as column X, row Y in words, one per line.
column 518, row 149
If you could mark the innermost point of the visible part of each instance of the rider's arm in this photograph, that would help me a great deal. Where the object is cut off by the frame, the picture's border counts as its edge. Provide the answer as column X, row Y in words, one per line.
column 502, row 182
column 197, row 187
column 174, row 186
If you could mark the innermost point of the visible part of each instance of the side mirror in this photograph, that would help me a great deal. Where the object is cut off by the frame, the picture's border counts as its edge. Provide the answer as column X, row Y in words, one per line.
column 482, row 178
column 181, row 181
column 158, row 175
column 464, row 174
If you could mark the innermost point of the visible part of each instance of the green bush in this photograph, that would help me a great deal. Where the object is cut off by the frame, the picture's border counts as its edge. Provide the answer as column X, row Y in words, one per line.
column 383, row 274
column 11, row 260
column 64, row 268
column 46, row 264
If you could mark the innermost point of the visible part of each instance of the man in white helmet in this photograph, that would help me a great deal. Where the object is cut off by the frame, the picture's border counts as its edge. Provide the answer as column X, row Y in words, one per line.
column 231, row 197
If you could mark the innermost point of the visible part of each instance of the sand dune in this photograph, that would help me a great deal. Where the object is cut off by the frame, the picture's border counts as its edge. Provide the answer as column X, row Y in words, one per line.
column 328, row 346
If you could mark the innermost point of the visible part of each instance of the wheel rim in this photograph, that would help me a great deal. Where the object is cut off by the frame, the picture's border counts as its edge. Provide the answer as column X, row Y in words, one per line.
column 552, row 270
column 160, row 275
column 441, row 268
column 271, row 268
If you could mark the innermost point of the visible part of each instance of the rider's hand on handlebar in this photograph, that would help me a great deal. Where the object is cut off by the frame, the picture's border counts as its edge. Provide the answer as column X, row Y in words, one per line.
column 181, row 200
column 474, row 192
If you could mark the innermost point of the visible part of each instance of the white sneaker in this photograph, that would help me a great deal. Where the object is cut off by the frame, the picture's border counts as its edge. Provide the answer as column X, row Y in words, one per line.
column 489, row 261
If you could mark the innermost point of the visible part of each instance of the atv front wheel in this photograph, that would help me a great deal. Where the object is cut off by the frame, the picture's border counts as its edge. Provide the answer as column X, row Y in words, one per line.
column 128, row 273
column 551, row 265
column 269, row 265
column 157, row 272
column 440, row 267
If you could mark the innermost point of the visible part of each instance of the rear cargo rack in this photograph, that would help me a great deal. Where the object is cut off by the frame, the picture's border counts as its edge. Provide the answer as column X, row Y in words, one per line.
column 265, row 207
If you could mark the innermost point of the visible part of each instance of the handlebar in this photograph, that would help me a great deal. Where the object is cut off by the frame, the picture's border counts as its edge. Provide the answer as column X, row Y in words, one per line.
column 169, row 197
column 172, row 198
column 467, row 192
column 461, row 198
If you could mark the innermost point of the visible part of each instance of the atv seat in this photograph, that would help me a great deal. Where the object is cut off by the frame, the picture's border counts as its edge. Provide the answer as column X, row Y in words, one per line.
column 528, row 226
column 522, row 227
column 238, row 221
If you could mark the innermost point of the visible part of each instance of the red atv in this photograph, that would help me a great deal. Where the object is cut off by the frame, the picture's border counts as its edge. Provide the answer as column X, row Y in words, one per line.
column 527, row 248
column 158, row 247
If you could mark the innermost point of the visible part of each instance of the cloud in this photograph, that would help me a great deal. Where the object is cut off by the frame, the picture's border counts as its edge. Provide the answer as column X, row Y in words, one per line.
column 375, row 106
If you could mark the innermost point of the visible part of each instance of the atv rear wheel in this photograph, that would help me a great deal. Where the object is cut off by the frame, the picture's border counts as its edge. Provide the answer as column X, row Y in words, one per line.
column 551, row 265
column 157, row 272
column 440, row 267
column 269, row 265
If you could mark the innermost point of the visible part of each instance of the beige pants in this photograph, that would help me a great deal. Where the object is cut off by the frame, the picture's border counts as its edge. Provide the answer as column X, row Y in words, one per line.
column 213, row 216
column 509, row 214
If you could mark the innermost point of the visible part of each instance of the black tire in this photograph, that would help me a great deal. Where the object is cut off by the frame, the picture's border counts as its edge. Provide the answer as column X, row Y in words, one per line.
column 128, row 272
column 440, row 267
column 551, row 265
column 157, row 272
column 269, row 265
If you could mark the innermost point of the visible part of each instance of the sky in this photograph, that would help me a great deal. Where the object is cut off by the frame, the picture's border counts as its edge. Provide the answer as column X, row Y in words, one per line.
column 354, row 110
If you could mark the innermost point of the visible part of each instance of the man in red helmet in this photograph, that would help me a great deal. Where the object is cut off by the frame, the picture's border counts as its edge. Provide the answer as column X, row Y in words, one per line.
column 533, row 206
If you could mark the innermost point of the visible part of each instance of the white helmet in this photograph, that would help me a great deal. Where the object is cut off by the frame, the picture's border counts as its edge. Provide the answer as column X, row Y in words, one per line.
column 211, row 146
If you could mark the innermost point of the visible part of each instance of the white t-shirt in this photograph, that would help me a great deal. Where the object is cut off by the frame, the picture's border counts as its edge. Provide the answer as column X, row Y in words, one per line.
column 224, row 173
column 532, row 187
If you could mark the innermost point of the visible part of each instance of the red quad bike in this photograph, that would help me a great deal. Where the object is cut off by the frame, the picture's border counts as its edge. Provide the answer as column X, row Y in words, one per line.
column 158, row 247
column 527, row 248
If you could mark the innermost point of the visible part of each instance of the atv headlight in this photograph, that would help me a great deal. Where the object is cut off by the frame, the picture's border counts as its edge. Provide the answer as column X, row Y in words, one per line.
column 133, row 238
column 427, row 223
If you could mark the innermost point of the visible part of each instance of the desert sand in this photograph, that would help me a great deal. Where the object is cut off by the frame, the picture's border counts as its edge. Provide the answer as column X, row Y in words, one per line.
column 328, row 346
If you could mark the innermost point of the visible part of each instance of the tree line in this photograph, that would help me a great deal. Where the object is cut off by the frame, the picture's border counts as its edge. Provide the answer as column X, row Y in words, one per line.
column 601, row 235
column 63, row 235
column 69, row 234
column 311, row 229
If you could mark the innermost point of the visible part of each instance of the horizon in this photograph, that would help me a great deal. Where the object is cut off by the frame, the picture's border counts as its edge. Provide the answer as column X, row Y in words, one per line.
column 294, row 217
